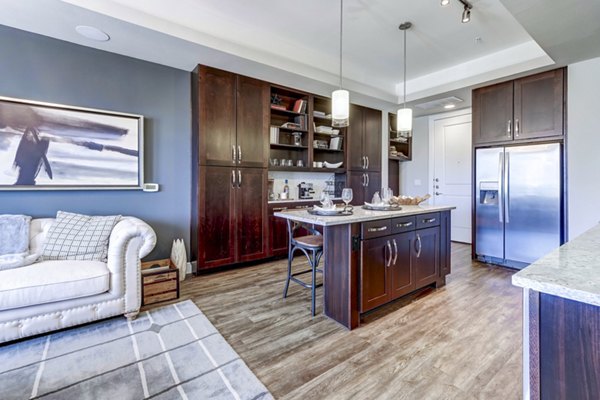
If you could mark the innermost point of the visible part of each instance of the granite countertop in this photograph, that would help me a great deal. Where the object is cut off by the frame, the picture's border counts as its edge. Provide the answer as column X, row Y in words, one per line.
column 299, row 200
column 359, row 215
column 572, row 271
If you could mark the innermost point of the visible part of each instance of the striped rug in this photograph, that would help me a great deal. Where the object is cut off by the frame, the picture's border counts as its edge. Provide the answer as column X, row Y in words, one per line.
column 173, row 352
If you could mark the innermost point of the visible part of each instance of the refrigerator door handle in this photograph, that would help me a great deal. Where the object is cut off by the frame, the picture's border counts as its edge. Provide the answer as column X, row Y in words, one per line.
column 507, row 186
column 500, row 186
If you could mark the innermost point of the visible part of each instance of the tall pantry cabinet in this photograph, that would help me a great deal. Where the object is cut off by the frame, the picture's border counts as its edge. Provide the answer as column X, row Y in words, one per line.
column 230, row 118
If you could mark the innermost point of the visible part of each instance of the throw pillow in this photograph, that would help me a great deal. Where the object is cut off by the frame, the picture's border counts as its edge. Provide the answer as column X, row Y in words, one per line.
column 79, row 237
column 14, row 234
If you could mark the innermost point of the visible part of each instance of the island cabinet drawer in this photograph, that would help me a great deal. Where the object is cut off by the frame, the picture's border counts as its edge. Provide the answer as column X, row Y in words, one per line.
column 404, row 224
column 373, row 229
column 428, row 220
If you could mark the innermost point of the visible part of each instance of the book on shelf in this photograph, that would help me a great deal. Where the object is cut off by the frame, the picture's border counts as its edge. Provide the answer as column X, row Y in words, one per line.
column 291, row 125
column 300, row 106
column 301, row 120
column 278, row 107
column 274, row 135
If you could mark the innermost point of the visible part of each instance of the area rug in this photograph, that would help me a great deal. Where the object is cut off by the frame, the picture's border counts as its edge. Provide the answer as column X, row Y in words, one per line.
column 173, row 352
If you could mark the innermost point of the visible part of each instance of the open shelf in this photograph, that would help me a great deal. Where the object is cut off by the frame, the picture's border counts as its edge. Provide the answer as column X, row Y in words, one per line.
column 400, row 145
column 287, row 146
column 285, row 112
column 329, row 150
column 290, row 169
column 289, row 130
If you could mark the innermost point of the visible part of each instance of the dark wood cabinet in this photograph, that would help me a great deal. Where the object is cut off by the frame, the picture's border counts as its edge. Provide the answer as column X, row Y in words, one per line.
column 278, row 234
column 426, row 256
column 539, row 105
column 363, row 185
column 232, row 214
column 399, row 258
column 523, row 109
column 375, row 276
column 364, row 139
column 233, row 118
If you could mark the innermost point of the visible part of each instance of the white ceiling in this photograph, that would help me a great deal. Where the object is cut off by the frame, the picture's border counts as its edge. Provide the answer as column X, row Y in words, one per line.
column 264, row 38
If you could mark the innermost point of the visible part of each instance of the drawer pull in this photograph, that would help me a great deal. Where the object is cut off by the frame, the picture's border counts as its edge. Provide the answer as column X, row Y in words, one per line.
column 380, row 229
column 302, row 207
column 279, row 209
column 404, row 224
column 429, row 220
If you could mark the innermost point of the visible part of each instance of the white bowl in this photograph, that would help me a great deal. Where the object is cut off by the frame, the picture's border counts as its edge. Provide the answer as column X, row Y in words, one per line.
column 330, row 165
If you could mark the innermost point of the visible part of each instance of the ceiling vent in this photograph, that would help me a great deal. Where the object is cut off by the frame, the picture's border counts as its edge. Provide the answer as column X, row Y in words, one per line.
column 439, row 103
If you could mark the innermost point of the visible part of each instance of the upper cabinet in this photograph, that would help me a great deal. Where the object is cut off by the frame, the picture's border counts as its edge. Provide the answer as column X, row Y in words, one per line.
column 523, row 109
column 233, row 115
column 364, row 139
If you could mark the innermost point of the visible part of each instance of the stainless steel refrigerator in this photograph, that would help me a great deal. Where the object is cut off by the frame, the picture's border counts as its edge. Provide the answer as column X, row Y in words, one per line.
column 518, row 203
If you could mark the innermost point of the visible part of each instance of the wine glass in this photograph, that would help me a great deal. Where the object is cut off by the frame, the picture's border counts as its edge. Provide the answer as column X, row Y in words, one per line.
column 347, row 197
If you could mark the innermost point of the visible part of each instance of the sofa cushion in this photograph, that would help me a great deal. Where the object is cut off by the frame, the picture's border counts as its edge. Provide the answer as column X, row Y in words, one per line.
column 50, row 281
column 78, row 237
column 14, row 234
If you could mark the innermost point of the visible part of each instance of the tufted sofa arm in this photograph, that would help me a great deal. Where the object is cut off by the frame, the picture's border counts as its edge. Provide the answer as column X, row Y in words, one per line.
column 130, row 240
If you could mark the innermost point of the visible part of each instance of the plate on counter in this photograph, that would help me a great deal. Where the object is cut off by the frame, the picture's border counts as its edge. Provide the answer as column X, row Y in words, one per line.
column 382, row 207
column 338, row 211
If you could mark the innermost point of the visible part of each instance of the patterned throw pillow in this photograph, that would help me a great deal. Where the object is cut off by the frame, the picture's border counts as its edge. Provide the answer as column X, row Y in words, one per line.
column 79, row 237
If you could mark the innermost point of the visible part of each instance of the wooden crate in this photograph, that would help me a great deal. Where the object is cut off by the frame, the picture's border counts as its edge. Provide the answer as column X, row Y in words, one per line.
column 159, row 285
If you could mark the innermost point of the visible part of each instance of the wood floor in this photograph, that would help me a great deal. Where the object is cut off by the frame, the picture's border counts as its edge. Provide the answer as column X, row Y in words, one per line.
column 462, row 341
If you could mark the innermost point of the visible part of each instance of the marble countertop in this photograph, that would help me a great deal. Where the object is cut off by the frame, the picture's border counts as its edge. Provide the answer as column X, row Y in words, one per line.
column 299, row 200
column 359, row 215
column 572, row 271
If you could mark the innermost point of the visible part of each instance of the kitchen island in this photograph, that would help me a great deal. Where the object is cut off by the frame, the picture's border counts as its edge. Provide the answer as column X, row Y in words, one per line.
column 374, row 257
column 561, row 321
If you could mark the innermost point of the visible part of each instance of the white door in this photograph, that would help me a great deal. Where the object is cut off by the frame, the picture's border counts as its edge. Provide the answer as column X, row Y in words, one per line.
column 452, row 170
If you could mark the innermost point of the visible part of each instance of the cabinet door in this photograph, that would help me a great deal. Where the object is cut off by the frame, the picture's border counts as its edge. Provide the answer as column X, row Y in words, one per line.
column 373, row 185
column 356, row 131
column 372, row 139
column 216, row 230
column 278, row 233
column 426, row 256
column 217, row 131
column 252, row 122
column 251, row 213
column 539, row 105
column 374, row 284
column 402, row 279
column 493, row 113
column 356, row 181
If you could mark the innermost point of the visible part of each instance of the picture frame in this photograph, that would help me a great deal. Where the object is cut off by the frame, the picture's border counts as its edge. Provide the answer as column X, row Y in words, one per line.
column 47, row 146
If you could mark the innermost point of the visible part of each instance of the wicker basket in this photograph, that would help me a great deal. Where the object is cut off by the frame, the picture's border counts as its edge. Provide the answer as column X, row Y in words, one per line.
column 408, row 200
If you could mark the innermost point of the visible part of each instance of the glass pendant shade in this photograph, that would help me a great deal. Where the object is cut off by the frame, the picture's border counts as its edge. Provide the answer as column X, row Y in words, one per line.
column 404, row 121
column 340, row 108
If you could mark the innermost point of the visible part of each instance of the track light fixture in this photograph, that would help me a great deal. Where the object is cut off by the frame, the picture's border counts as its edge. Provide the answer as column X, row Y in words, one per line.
column 466, row 15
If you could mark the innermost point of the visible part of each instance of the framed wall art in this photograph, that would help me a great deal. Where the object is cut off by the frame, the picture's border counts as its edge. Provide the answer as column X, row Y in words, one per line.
column 56, row 147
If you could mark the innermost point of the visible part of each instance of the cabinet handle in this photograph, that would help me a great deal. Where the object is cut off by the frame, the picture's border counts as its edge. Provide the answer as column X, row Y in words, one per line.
column 428, row 220
column 419, row 245
column 404, row 224
column 364, row 162
column 367, row 157
column 389, row 247
column 517, row 127
column 395, row 251
column 233, row 179
column 508, row 128
column 278, row 209
column 239, row 154
column 379, row 229
column 233, row 154
column 368, row 179
column 239, row 178
column 364, row 181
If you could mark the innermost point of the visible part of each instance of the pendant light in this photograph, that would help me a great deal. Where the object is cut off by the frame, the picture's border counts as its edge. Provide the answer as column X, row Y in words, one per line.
column 340, row 99
column 404, row 119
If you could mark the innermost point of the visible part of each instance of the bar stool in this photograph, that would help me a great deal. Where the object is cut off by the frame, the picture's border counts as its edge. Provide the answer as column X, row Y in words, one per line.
column 312, row 247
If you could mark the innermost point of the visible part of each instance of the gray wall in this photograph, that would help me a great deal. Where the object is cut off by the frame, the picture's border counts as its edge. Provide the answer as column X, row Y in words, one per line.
column 39, row 68
column 411, row 172
column 583, row 146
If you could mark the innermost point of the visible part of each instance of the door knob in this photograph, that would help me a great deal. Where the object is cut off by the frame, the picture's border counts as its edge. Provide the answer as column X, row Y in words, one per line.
column 436, row 180
column 438, row 193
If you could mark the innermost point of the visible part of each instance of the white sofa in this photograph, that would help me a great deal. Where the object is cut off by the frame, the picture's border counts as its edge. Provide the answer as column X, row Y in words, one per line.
column 50, row 295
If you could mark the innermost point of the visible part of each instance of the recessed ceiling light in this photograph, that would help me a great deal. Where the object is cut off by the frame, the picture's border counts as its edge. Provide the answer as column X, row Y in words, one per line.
column 445, row 2
column 449, row 106
column 92, row 33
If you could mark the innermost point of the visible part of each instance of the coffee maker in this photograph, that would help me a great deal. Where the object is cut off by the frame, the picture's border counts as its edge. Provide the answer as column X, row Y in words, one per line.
column 305, row 191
